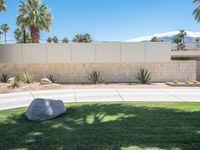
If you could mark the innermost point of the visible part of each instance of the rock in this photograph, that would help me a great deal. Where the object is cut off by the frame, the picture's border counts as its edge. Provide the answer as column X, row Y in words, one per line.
column 45, row 81
column 44, row 109
column 11, row 80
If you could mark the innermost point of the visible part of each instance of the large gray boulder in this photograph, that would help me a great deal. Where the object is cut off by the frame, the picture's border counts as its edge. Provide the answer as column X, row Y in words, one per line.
column 44, row 109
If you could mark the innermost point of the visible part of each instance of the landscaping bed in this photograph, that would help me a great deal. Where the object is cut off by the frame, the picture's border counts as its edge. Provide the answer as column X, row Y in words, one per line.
column 183, row 84
column 106, row 126
column 36, row 86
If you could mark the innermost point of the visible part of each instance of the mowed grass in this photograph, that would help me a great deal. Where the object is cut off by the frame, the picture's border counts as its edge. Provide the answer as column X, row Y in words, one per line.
column 106, row 126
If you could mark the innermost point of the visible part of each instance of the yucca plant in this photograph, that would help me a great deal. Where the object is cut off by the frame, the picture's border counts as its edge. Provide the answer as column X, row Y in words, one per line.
column 27, row 78
column 144, row 77
column 51, row 78
column 4, row 78
column 17, row 81
column 95, row 77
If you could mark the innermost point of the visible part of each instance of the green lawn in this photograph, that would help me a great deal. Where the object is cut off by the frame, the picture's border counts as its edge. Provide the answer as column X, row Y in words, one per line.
column 106, row 126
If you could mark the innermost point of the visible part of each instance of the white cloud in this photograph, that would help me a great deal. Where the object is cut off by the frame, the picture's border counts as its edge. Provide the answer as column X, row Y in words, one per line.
column 160, row 35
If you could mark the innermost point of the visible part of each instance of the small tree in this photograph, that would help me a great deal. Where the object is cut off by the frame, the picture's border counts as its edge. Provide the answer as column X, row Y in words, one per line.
column 179, row 40
column 197, row 39
column 55, row 39
column 82, row 38
column 65, row 40
column 49, row 40
column 22, row 36
column 5, row 28
column 156, row 39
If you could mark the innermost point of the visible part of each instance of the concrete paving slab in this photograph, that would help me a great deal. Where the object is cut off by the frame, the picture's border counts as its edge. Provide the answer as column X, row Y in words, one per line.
column 15, row 100
column 97, row 95
column 64, row 95
column 146, row 95
column 192, row 95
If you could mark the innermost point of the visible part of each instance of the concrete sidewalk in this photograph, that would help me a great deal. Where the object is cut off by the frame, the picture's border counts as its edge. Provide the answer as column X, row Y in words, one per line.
column 15, row 100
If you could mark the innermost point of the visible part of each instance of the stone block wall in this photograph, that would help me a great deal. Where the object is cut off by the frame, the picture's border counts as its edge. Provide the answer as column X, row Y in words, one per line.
column 198, row 70
column 111, row 72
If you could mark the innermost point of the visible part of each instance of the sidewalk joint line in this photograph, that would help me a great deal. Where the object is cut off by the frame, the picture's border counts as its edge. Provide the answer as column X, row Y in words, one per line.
column 32, row 95
column 120, row 95
column 75, row 96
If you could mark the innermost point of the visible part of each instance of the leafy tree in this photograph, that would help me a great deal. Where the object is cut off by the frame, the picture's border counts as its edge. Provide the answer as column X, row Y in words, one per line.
column 197, row 39
column 5, row 28
column 21, row 36
column 156, row 39
column 82, row 38
column 35, row 16
column 3, row 6
column 49, row 40
column 196, row 12
column 179, row 40
column 55, row 39
column 65, row 40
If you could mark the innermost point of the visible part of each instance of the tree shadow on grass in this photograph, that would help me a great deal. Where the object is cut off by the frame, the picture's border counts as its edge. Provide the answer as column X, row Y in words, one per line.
column 103, row 127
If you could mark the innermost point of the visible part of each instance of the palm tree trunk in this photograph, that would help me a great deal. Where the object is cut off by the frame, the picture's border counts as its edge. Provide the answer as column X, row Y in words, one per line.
column 5, row 37
column 35, row 34
column 24, row 36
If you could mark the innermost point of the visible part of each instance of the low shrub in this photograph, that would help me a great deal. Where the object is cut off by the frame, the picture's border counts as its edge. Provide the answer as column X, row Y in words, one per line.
column 144, row 77
column 27, row 78
column 4, row 78
column 95, row 77
column 51, row 78
column 17, row 81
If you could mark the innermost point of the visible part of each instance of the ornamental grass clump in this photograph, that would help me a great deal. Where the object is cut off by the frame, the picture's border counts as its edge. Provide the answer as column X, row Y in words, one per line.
column 144, row 76
column 27, row 78
column 17, row 81
column 95, row 77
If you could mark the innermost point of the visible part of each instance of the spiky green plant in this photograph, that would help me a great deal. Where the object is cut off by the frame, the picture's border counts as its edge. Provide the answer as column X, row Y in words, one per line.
column 51, row 78
column 27, row 78
column 17, row 81
column 4, row 78
column 95, row 77
column 144, row 77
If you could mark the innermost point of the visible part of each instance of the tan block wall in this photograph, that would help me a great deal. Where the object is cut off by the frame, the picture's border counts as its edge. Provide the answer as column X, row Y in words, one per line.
column 85, row 53
column 198, row 70
column 112, row 72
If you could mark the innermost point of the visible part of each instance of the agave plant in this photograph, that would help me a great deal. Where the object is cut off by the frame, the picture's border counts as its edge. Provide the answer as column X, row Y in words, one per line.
column 17, row 81
column 144, row 77
column 4, row 78
column 95, row 77
column 51, row 78
column 27, row 77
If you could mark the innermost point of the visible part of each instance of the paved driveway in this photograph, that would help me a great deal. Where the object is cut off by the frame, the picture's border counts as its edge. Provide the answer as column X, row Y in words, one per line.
column 16, row 100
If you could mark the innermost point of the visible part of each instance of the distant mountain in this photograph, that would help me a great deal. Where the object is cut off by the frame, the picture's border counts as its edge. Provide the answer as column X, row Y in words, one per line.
column 167, row 37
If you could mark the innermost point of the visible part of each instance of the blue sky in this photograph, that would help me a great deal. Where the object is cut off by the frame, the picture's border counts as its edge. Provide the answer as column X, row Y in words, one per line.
column 112, row 20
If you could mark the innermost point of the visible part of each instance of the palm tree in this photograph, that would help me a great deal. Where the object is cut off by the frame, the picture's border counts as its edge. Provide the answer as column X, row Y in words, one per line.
column 5, row 28
column 36, row 16
column 3, row 6
column 196, row 12
column 65, row 40
column 82, row 38
column 55, row 39
column 49, row 40
column 22, row 36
